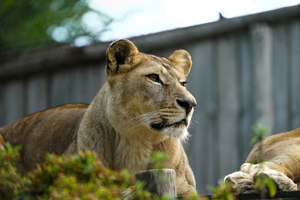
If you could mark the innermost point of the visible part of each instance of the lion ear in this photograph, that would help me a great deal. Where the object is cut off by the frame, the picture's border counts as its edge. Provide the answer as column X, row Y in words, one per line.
column 119, row 56
column 182, row 61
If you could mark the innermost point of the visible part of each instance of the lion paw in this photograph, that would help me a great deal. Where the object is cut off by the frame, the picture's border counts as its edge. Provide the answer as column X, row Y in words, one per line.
column 283, row 182
column 242, row 182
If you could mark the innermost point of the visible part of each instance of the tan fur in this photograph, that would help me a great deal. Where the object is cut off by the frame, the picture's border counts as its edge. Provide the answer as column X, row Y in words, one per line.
column 282, row 163
column 143, row 106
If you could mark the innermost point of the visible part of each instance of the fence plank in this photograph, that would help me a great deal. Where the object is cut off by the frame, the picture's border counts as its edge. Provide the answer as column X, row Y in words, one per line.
column 247, row 93
column 60, row 88
column 86, row 82
column 79, row 87
column 13, row 101
column 261, row 37
column 201, row 146
column 211, row 108
column 93, row 83
column 228, row 104
column 280, row 81
column 96, row 79
column 295, row 74
column 37, row 97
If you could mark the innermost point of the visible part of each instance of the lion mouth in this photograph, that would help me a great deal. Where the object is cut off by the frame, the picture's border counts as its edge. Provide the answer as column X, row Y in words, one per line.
column 164, row 124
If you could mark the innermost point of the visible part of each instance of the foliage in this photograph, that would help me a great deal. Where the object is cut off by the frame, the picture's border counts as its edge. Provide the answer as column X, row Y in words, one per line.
column 81, row 176
column 224, row 191
column 72, row 177
column 262, row 181
column 29, row 22
column 11, row 183
column 69, row 177
column 259, row 133
column 158, row 159
column 194, row 196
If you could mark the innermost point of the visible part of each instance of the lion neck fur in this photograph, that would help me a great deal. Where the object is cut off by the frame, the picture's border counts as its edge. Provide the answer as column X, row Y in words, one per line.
column 116, row 150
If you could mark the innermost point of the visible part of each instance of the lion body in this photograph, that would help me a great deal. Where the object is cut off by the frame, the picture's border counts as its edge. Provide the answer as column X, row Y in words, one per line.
column 281, row 163
column 44, row 132
column 143, row 107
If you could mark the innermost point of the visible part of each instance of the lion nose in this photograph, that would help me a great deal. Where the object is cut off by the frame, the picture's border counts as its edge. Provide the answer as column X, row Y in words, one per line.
column 187, row 105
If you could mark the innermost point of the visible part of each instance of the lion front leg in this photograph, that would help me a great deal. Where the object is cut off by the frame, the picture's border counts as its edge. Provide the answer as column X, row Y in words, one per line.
column 183, row 187
column 241, row 181
column 244, row 182
column 185, row 180
column 283, row 182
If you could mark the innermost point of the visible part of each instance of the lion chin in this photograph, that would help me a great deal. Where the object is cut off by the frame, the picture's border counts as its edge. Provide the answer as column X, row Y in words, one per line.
column 177, row 129
column 180, row 132
column 143, row 106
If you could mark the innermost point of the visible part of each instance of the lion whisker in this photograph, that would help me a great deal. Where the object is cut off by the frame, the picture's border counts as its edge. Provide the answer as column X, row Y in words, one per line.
column 145, row 119
column 152, row 113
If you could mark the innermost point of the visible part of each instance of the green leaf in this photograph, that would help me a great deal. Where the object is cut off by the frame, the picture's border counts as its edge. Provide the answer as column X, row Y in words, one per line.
column 272, row 187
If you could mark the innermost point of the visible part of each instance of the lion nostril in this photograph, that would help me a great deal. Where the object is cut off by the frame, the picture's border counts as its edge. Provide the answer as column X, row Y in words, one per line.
column 187, row 105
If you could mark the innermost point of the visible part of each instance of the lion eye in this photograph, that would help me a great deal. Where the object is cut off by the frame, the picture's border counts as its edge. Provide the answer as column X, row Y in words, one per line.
column 154, row 77
column 183, row 83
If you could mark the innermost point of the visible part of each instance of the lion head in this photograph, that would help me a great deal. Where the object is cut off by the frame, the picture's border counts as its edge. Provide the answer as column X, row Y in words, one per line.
column 148, row 94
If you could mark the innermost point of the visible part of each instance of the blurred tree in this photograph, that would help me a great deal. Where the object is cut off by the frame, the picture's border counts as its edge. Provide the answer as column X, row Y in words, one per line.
column 30, row 22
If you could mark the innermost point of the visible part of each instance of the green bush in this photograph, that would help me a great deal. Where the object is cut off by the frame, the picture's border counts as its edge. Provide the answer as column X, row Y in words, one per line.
column 11, row 183
column 224, row 191
column 66, row 177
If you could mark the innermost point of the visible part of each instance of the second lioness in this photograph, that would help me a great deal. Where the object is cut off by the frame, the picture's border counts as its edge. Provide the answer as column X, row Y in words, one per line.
column 143, row 106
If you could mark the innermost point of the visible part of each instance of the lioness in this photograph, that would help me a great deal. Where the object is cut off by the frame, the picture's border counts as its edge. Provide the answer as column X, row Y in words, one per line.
column 144, row 106
column 282, row 163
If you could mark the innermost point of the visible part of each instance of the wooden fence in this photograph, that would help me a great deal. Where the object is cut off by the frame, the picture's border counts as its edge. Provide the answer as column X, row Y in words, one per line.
column 245, row 71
